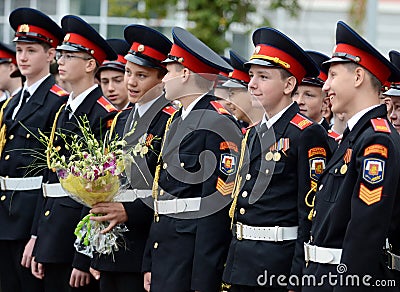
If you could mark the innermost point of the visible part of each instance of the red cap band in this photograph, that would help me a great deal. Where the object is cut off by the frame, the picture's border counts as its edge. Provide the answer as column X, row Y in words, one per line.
column 7, row 55
column 91, row 47
column 240, row 75
column 377, row 68
column 148, row 51
column 191, row 62
column 36, row 33
column 280, row 58
column 120, row 59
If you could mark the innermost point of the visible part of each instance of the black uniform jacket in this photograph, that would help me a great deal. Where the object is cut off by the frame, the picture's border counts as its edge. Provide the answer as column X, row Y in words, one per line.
column 19, row 156
column 58, row 217
column 273, row 194
column 357, row 204
column 140, row 212
column 187, row 251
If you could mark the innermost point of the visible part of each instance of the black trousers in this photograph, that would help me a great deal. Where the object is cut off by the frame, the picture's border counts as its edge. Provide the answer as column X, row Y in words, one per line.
column 56, row 279
column 13, row 276
column 121, row 282
column 241, row 288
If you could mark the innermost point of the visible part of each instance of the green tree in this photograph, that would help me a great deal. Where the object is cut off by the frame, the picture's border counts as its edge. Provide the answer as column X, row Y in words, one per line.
column 211, row 18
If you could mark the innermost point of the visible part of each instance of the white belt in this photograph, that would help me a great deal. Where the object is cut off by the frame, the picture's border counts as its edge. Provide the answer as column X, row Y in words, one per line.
column 177, row 206
column 132, row 195
column 54, row 191
column 323, row 255
column 265, row 233
column 21, row 183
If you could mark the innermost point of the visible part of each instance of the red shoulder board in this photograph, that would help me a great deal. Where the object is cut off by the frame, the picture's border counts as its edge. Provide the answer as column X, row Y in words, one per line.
column 244, row 130
column 57, row 90
column 380, row 125
column 106, row 104
column 169, row 110
column 301, row 122
column 219, row 108
column 333, row 134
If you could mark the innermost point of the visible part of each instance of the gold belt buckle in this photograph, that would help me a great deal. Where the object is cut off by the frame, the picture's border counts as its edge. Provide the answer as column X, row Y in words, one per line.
column 239, row 231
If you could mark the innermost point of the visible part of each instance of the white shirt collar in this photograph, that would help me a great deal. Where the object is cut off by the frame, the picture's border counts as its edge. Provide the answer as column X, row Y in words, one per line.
column 271, row 121
column 354, row 119
column 75, row 102
column 185, row 112
column 31, row 89
column 143, row 108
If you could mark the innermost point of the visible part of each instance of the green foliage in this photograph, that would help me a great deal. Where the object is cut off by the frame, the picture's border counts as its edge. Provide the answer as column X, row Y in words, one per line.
column 212, row 18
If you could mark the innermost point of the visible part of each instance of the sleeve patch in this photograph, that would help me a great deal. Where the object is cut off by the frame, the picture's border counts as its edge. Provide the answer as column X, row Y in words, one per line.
column 57, row 90
column 301, row 122
column 109, row 123
column 368, row 196
column 228, row 145
column 380, row 125
column 224, row 188
column 373, row 170
column 228, row 164
column 219, row 108
column 316, row 151
column 106, row 104
column 376, row 149
column 169, row 110
column 317, row 167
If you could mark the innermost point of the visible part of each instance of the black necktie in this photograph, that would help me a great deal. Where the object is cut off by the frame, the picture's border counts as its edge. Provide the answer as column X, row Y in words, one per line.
column 263, row 129
column 65, row 115
column 24, row 97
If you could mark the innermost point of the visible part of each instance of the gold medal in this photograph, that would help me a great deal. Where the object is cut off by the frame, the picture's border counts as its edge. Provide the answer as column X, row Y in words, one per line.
column 343, row 169
column 269, row 156
column 277, row 156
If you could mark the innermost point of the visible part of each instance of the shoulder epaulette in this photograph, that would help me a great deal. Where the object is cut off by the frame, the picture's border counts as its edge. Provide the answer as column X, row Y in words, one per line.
column 106, row 104
column 56, row 89
column 301, row 122
column 219, row 108
column 333, row 134
column 169, row 110
column 380, row 125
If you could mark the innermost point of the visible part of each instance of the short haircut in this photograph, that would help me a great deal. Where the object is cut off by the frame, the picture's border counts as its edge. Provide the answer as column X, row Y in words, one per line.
column 285, row 75
column 375, row 83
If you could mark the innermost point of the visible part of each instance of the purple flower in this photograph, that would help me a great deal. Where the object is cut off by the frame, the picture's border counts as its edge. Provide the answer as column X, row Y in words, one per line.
column 62, row 173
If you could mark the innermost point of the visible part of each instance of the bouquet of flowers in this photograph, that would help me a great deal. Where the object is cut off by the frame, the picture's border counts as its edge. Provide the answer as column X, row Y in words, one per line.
column 93, row 172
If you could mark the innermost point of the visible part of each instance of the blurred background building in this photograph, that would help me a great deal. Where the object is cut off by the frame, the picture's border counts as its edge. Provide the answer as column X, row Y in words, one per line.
column 313, row 27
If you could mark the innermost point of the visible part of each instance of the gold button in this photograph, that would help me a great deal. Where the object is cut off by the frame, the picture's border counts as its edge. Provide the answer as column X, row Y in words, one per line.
column 164, row 165
column 244, row 194
column 182, row 164
column 320, row 187
column 3, row 197
column 161, row 192
column 242, row 211
column 7, row 157
column 47, row 213
column 11, row 137
column 157, row 219
column 267, row 171
column 58, row 148
column 248, row 176
column 28, row 135
column 315, row 213
column 155, row 244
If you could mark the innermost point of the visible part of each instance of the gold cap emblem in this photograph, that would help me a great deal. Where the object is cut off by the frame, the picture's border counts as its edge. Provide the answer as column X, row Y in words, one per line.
column 180, row 60
column 66, row 38
column 140, row 48
column 23, row 28
column 257, row 50
column 92, row 52
column 230, row 74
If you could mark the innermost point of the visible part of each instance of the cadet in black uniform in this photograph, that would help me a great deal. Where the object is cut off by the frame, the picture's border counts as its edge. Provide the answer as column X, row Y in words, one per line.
column 111, row 75
column 357, row 204
column 32, row 109
column 78, row 57
column 190, row 234
column 288, row 153
column 393, row 93
column 144, row 72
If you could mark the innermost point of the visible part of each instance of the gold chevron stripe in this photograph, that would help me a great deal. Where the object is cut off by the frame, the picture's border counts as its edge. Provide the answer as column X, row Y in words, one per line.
column 368, row 196
column 224, row 188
